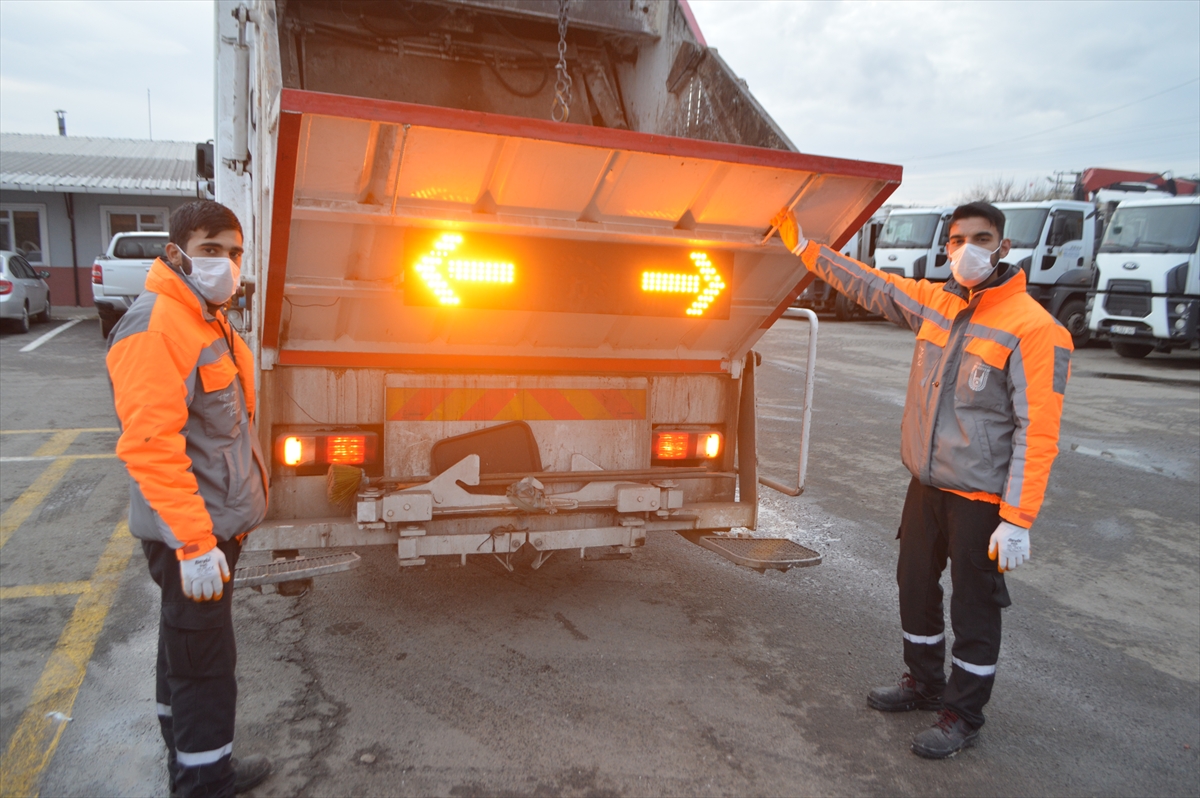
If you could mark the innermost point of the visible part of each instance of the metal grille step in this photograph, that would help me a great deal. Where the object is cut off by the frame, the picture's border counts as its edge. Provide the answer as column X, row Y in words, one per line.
column 762, row 553
column 299, row 568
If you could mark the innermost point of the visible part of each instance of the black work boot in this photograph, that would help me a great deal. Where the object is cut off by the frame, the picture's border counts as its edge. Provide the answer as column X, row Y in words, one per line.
column 904, row 697
column 250, row 772
column 947, row 737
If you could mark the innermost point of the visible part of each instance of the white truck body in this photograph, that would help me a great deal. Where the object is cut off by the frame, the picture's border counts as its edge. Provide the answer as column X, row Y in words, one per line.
column 1148, row 277
column 436, row 266
column 1054, row 242
column 913, row 243
column 119, row 274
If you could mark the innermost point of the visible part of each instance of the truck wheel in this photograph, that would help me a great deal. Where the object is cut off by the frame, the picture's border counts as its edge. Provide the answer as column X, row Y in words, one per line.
column 1135, row 351
column 1073, row 316
column 106, row 325
column 844, row 308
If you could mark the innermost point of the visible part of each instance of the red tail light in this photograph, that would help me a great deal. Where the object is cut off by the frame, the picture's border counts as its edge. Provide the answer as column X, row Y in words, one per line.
column 351, row 449
column 97, row 274
column 686, row 445
column 313, row 453
column 5, row 287
column 672, row 446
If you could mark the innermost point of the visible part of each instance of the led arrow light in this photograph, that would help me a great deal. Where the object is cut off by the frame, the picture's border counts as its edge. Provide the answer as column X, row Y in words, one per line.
column 437, row 268
column 674, row 283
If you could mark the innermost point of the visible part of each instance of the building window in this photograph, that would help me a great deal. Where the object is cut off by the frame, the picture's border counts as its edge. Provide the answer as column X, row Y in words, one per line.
column 116, row 219
column 23, row 230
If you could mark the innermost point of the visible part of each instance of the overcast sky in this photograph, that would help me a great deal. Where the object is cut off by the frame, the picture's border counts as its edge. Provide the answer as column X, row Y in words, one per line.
column 955, row 92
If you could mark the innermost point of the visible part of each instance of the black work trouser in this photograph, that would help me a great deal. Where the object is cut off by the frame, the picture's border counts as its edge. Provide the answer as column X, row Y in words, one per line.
column 196, row 688
column 936, row 524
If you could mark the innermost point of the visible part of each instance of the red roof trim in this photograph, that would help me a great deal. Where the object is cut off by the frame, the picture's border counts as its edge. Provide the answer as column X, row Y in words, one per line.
column 491, row 363
column 339, row 105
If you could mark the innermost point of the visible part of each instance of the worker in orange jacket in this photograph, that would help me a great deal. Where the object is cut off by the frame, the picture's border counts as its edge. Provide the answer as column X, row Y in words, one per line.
column 979, row 434
column 183, row 387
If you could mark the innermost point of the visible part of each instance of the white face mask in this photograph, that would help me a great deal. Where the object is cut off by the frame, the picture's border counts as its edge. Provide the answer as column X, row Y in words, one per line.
column 971, row 264
column 215, row 278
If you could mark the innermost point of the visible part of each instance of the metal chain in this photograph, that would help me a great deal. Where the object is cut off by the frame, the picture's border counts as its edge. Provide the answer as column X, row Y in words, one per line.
column 562, row 86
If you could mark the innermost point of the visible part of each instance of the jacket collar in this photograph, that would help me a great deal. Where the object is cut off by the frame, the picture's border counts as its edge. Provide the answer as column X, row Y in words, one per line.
column 1011, row 281
column 162, row 279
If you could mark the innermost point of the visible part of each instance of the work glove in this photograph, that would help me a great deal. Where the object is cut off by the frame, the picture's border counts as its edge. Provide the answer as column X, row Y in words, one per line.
column 1009, row 546
column 204, row 577
column 789, row 231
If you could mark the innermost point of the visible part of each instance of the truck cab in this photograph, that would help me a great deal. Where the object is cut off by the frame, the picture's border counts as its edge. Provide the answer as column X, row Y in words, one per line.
column 1054, row 242
column 1148, row 277
column 913, row 243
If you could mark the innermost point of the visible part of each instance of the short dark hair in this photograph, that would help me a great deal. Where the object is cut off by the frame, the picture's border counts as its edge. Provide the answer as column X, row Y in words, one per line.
column 204, row 215
column 980, row 210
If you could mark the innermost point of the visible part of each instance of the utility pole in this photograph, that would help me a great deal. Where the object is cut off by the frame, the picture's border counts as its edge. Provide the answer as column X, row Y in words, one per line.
column 149, row 116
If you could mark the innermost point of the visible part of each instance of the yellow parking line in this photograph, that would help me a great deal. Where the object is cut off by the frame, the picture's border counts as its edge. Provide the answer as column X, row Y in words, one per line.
column 33, row 743
column 36, row 493
column 48, row 431
column 46, row 589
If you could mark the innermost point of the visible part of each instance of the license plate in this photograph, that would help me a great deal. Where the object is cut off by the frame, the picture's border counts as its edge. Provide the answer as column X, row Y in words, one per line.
column 1121, row 329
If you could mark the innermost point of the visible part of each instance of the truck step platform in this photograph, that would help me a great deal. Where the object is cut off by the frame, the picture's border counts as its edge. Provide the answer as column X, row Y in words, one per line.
column 760, row 554
column 292, row 570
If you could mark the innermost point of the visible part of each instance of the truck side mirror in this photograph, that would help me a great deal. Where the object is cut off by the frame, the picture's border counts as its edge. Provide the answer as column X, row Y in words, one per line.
column 205, row 168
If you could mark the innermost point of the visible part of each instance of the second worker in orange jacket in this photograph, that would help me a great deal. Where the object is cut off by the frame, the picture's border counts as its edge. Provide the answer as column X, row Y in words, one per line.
column 979, row 434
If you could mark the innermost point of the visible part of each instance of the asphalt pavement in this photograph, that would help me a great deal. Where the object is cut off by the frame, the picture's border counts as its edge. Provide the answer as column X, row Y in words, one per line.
column 674, row 673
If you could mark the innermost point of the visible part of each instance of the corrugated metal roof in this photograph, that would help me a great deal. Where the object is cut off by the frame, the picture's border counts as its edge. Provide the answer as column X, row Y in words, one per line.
column 83, row 165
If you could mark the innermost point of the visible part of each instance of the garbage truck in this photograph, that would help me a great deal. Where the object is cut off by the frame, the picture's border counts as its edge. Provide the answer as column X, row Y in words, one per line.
column 1147, row 295
column 505, row 263
column 1054, row 242
column 913, row 243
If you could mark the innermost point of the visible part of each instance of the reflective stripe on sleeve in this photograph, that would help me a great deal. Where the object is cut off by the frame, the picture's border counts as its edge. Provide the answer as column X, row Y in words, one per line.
column 164, row 710
column 923, row 640
column 978, row 670
column 203, row 757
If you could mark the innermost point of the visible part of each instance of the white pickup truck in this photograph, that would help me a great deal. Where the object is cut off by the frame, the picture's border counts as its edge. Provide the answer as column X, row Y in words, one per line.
column 119, row 275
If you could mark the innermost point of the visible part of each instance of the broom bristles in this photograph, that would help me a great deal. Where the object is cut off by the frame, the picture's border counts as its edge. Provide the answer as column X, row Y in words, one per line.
column 341, row 484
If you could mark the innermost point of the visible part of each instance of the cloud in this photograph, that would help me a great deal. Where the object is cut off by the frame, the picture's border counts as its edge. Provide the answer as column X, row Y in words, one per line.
column 97, row 59
column 912, row 82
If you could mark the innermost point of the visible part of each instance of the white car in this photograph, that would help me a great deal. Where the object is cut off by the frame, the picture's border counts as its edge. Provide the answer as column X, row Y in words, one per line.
column 24, row 294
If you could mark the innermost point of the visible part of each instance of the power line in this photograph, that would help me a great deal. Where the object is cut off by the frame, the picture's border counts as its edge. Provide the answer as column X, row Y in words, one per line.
column 1052, row 129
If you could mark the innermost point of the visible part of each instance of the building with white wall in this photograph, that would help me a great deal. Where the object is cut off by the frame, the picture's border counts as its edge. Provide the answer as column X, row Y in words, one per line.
column 63, row 197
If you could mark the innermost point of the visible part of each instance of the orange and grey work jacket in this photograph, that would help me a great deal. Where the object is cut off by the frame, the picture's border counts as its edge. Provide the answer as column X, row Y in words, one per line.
column 985, row 393
column 185, row 401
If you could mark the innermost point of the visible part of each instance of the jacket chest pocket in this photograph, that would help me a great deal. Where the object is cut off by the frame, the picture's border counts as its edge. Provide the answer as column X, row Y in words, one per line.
column 927, row 356
column 982, row 381
column 218, row 402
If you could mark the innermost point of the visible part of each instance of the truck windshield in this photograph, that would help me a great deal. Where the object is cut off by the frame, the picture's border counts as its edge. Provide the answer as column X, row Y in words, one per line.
column 908, row 231
column 1023, row 226
column 1153, row 228
column 140, row 247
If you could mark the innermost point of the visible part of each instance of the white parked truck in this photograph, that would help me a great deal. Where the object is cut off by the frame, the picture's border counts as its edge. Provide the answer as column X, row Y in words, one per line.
column 119, row 274
column 913, row 243
column 821, row 297
column 531, row 336
column 1054, row 242
column 1147, row 295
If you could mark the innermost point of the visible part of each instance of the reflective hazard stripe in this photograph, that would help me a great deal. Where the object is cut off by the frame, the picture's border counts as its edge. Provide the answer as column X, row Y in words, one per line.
column 978, row 670
column 164, row 710
column 923, row 640
column 202, row 757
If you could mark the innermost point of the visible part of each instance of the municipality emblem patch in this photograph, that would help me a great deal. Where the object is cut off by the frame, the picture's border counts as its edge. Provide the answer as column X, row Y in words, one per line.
column 979, row 377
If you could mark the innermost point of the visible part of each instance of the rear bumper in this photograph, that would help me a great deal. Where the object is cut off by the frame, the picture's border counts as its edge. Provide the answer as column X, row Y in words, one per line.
column 494, row 533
